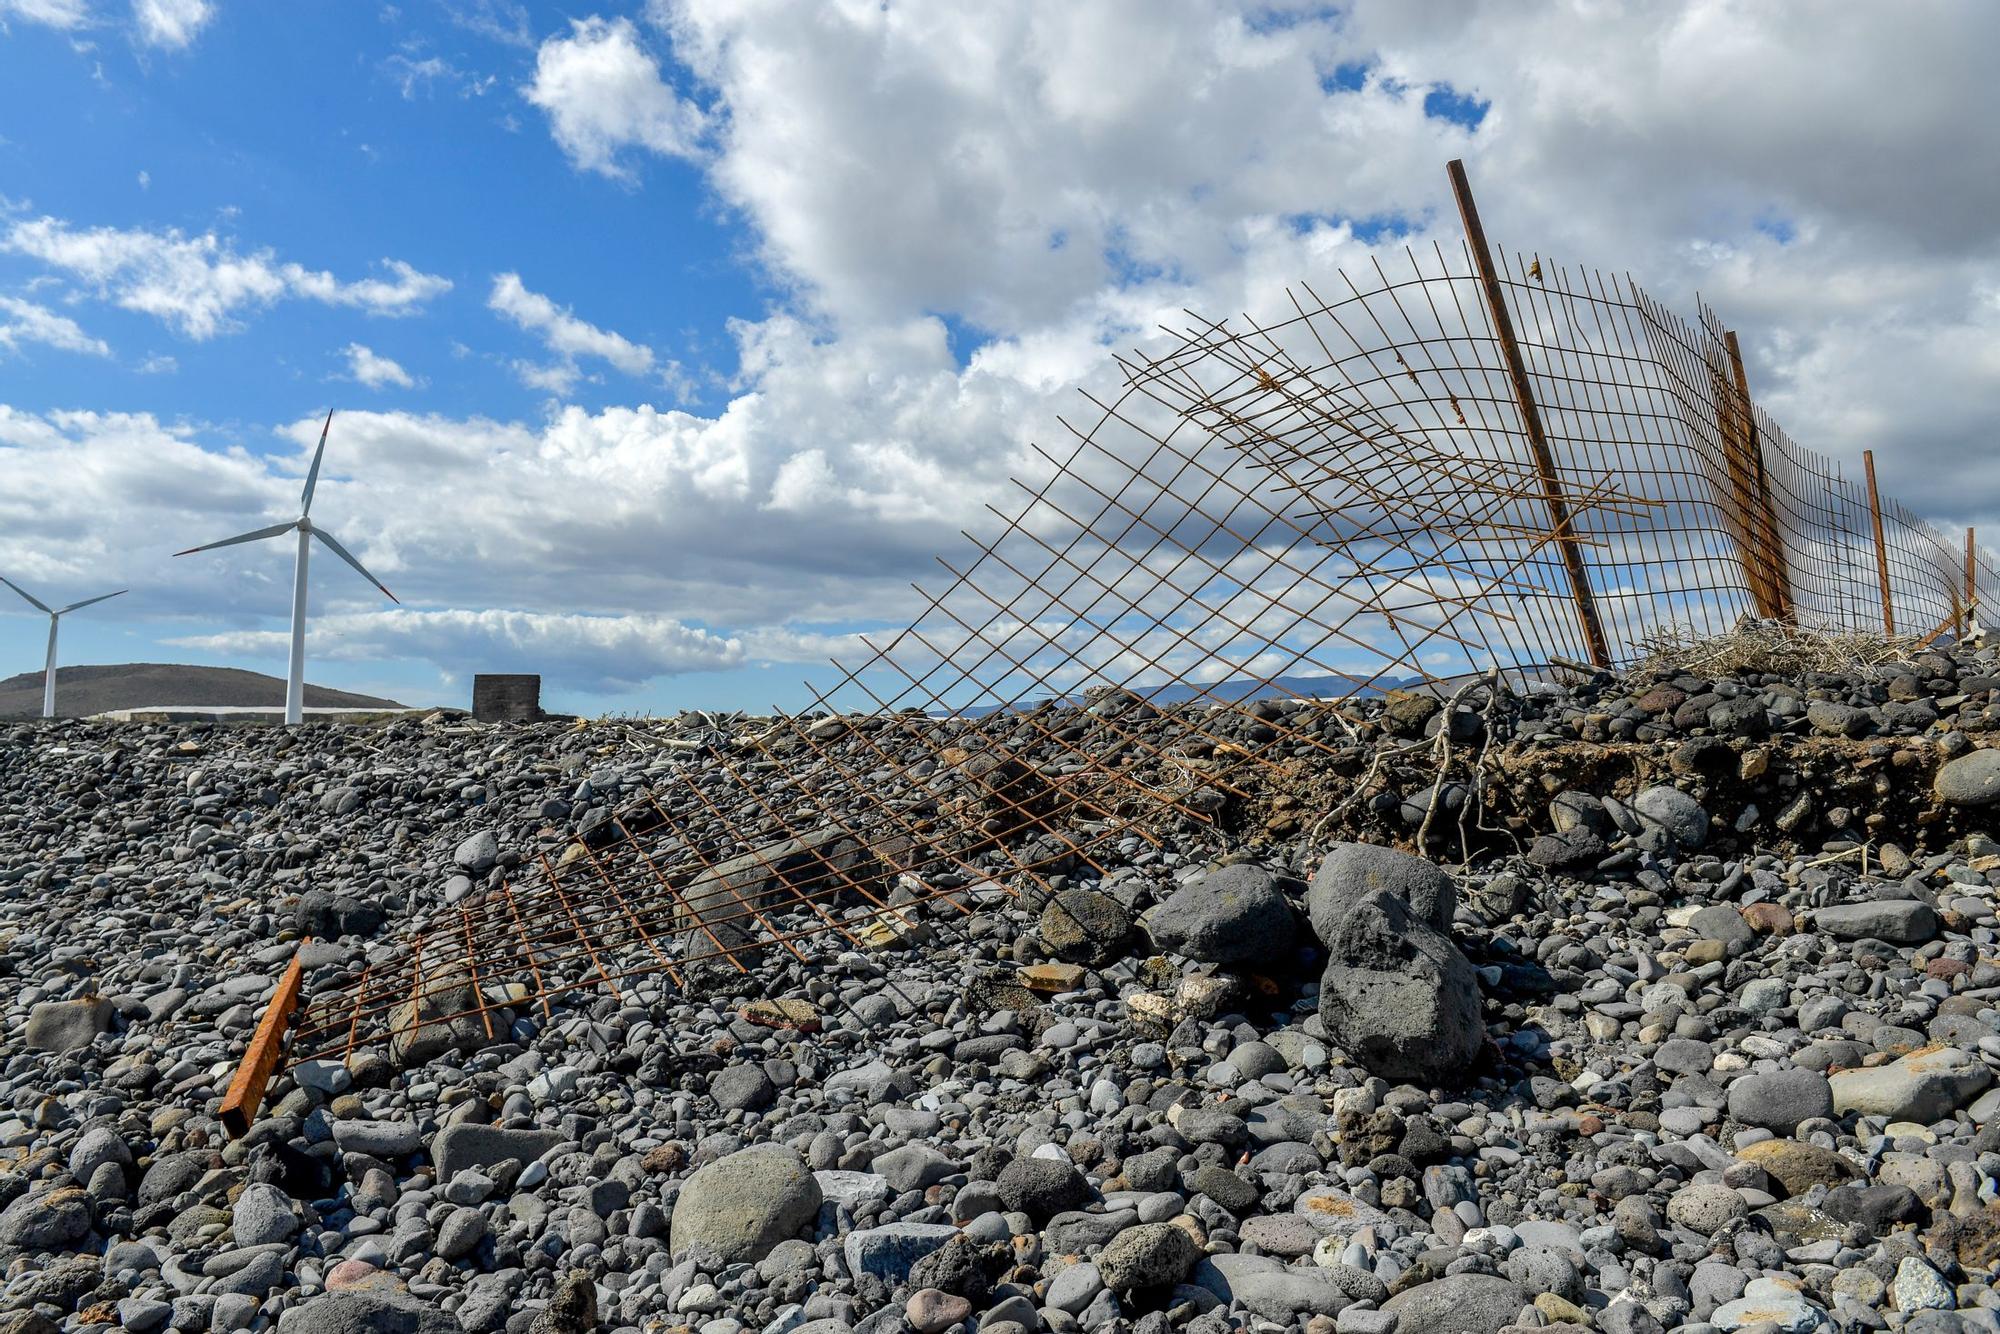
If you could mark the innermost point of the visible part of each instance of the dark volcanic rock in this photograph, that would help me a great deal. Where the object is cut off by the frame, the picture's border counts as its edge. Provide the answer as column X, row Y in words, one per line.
column 1085, row 925
column 1235, row 915
column 1351, row 872
column 1399, row 996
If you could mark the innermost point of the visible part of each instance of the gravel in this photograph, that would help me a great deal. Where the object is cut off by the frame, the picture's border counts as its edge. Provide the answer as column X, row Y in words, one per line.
column 1695, row 1028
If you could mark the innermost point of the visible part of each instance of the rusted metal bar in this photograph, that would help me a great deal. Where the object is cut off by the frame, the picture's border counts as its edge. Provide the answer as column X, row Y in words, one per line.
column 527, row 946
column 582, row 932
column 1971, row 581
column 1768, row 547
column 1560, row 524
column 1881, row 545
column 253, row 1074
column 472, row 971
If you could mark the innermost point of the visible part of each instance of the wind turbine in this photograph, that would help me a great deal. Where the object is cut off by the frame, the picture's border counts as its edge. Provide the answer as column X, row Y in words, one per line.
column 55, row 619
column 295, row 682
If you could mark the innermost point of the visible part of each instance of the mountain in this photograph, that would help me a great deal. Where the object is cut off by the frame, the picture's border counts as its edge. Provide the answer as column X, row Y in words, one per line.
column 81, row 691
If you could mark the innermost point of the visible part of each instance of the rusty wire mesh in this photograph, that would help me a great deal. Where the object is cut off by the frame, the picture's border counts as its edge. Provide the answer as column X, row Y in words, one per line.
column 1331, row 503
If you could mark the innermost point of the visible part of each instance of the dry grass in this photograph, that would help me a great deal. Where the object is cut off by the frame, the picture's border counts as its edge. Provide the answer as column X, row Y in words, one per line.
column 1772, row 646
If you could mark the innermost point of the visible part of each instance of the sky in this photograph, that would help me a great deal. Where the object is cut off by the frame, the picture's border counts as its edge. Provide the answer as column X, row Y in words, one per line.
column 668, row 343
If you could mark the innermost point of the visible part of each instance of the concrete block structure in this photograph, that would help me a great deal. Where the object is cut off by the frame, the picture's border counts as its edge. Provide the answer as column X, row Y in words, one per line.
column 507, row 698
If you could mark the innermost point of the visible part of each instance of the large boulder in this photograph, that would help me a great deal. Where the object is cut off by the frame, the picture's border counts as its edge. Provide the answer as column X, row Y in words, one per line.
column 1149, row 1256
column 477, row 853
column 368, row 1312
column 1780, row 1099
column 1673, row 812
column 825, row 866
column 891, row 1251
column 328, row 916
column 459, row 1148
column 1086, row 926
column 1235, row 915
column 46, row 1220
column 741, row 1206
column 1973, row 779
column 67, row 1025
column 1398, row 995
column 1797, row 1166
column 1457, row 1304
column 1924, row 1086
column 1042, row 1187
column 1351, row 872
column 1899, row 921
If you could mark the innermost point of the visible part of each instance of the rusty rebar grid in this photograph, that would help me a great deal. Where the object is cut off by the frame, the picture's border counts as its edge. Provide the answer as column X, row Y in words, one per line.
column 1430, row 474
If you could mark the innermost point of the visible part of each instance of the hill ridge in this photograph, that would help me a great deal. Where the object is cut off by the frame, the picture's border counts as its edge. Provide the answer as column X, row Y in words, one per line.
column 90, row 689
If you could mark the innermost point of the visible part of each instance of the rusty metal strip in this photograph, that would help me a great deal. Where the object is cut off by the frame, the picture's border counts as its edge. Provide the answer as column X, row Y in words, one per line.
column 1517, row 372
column 253, row 1074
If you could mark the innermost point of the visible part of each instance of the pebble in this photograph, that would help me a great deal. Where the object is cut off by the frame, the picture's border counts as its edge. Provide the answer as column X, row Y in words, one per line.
column 1716, row 1072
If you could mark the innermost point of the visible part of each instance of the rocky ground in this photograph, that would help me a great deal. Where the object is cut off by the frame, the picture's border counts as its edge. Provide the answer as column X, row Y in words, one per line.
column 1686, row 1019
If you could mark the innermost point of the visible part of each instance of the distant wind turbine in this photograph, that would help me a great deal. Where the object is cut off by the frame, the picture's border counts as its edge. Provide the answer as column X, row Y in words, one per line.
column 295, row 683
column 55, row 619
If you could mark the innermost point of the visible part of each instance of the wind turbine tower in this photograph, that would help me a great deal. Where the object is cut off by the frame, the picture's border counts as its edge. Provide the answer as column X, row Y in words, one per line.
column 295, row 682
column 55, row 621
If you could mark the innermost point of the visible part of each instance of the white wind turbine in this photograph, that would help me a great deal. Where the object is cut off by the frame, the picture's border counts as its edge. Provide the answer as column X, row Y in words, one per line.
column 295, row 682
column 55, row 619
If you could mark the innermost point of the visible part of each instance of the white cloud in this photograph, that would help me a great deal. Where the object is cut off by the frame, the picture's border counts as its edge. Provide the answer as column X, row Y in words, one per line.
column 594, row 654
column 374, row 370
column 603, row 93
column 497, row 20
column 25, row 322
column 414, row 76
column 994, row 165
column 171, row 23
column 621, row 513
column 558, row 378
column 568, row 337
column 62, row 14
column 199, row 284
column 1055, row 181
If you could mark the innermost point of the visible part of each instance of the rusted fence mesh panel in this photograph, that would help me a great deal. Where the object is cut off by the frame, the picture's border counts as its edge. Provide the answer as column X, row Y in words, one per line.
column 1377, row 486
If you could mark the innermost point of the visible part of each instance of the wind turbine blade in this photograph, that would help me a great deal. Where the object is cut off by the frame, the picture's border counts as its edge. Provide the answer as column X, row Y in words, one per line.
column 257, row 536
column 26, row 594
column 89, row 602
column 348, row 556
column 312, row 477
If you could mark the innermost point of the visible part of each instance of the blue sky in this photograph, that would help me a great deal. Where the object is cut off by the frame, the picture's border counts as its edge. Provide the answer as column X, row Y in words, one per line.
column 338, row 135
column 669, row 341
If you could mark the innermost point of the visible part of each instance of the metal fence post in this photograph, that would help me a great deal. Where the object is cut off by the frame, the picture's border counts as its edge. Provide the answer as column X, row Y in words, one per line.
column 1971, row 581
column 1881, row 547
column 1767, row 547
column 1561, row 526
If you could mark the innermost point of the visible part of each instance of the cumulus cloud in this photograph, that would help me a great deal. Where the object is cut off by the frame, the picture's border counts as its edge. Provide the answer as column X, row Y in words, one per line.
column 594, row 654
column 967, row 214
column 603, row 93
column 1065, row 199
column 172, row 24
column 624, row 511
column 567, row 337
column 199, row 285
column 374, row 370
column 25, row 322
